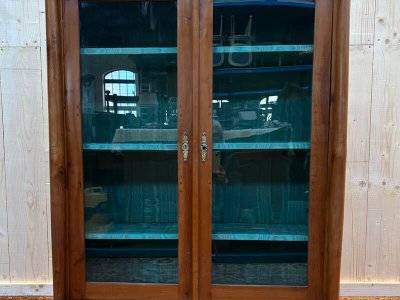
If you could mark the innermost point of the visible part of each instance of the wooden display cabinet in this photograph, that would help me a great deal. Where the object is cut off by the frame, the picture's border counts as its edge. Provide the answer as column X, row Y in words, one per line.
column 197, row 148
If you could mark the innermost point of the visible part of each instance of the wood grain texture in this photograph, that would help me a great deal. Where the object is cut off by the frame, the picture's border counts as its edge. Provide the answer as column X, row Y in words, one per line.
column 370, row 289
column 338, row 148
column 4, row 254
column 323, row 33
column 355, row 214
column 22, row 154
column 131, row 292
column 362, row 25
column 25, row 171
column 382, row 257
column 185, row 126
column 373, row 167
column 221, row 292
column 57, row 150
column 20, row 58
column 204, row 127
column 25, row 298
column 26, row 289
column 74, row 155
column 45, row 115
column 369, row 298
column 20, row 23
column 362, row 39
column 195, row 151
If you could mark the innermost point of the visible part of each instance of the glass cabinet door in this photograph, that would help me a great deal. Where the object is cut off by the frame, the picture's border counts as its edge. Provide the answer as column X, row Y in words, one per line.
column 129, row 102
column 261, row 132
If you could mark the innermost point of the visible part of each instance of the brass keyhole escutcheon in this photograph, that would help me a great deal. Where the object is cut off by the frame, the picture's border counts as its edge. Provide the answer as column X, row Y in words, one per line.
column 185, row 147
column 203, row 147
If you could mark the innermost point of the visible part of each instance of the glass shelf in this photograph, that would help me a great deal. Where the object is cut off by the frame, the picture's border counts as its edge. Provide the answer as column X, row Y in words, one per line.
column 217, row 146
column 128, row 51
column 263, row 48
column 219, row 49
column 130, row 147
column 262, row 70
column 143, row 231
column 244, row 232
column 262, row 146
column 296, row 3
column 255, row 92
column 260, row 232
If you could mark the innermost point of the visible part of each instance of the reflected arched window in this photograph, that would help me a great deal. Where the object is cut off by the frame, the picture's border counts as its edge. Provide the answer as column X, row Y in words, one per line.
column 120, row 92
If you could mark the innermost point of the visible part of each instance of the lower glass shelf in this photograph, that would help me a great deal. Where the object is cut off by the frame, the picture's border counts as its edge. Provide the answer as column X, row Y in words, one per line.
column 244, row 232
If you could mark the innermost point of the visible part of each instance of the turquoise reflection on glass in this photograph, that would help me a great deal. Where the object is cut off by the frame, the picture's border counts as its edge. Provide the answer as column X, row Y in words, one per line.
column 262, row 83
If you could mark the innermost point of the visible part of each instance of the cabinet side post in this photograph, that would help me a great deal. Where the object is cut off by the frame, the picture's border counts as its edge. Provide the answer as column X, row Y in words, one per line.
column 337, row 147
column 57, row 148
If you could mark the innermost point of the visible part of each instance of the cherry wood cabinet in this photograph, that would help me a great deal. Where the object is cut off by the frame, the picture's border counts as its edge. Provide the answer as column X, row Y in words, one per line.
column 197, row 148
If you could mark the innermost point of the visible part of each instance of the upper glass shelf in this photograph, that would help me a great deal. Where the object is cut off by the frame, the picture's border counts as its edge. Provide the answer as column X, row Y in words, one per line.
column 296, row 3
column 262, row 70
column 262, row 146
column 130, row 146
column 263, row 48
column 128, row 51
column 218, row 49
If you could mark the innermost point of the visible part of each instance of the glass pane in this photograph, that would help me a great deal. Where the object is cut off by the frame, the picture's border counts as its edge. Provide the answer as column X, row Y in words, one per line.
column 129, row 125
column 262, row 76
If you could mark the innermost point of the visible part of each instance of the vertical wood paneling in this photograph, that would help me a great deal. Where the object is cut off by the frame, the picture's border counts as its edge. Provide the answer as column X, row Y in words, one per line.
column 24, row 197
column 372, row 217
column 360, row 97
column 25, row 175
column 362, row 22
column 4, row 255
column 355, row 230
column 19, row 23
column 19, row 58
column 383, row 220
column 45, row 114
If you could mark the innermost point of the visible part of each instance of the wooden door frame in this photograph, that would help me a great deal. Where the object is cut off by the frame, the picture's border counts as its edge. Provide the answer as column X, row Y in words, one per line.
column 66, row 161
column 328, row 155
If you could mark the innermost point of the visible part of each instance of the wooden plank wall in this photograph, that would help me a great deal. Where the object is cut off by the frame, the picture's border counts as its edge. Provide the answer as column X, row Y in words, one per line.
column 24, row 174
column 371, row 250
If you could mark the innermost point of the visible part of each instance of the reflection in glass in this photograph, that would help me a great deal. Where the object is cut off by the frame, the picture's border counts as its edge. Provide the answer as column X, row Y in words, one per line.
column 120, row 90
column 262, row 77
column 129, row 126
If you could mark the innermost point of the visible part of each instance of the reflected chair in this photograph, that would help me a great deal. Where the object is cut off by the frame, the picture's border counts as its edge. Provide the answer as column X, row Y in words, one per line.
column 240, row 59
column 218, row 40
